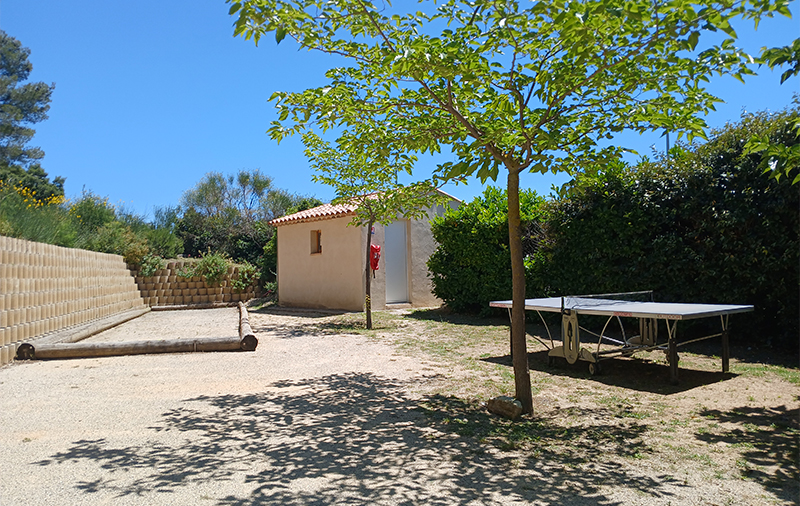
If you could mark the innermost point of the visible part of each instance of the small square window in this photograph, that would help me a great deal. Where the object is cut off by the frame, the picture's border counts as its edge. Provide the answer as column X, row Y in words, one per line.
column 316, row 241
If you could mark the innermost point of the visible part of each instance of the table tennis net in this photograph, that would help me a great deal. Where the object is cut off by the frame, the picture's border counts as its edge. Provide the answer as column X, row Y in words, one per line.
column 605, row 299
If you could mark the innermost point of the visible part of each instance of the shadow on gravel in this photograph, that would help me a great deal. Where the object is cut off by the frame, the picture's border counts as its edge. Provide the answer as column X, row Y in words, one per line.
column 767, row 438
column 356, row 439
column 298, row 311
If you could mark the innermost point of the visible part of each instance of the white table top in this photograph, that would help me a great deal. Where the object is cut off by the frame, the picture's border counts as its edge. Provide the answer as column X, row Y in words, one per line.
column 608, row 307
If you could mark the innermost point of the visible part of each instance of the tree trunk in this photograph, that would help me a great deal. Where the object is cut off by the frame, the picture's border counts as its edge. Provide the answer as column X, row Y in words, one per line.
column 522, row 379
column 367, row 299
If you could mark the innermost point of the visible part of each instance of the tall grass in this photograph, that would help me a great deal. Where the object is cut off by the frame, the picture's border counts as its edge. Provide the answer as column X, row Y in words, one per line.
column 25, row 216
column 88, row 223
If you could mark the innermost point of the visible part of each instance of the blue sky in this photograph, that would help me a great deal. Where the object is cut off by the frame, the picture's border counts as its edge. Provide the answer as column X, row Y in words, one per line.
column 151, row 95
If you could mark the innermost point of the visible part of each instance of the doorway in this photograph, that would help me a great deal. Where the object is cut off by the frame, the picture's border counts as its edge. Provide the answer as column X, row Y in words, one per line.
column 396, row 255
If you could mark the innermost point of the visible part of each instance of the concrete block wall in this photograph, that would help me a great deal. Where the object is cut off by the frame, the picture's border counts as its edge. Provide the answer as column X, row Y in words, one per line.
column 45, row 288
column 167, row 288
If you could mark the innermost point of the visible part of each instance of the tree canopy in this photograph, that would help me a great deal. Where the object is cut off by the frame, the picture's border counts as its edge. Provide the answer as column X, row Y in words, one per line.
column 538, row 86
column 780, row 159
column 230, row 214
column 22, row 105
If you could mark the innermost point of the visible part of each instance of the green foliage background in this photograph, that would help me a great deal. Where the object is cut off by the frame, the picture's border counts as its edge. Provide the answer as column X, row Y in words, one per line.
column 708, row 226
column 471, row 266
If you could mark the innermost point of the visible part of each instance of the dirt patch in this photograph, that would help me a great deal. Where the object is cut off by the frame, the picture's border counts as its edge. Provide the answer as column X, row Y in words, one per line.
column 325, row 412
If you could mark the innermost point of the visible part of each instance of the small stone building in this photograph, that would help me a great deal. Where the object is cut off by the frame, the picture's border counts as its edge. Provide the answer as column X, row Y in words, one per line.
column 321, row 260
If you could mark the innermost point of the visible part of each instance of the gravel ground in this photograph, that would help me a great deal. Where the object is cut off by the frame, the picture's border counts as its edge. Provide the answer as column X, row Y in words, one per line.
column 302, row 420
column 325, row 419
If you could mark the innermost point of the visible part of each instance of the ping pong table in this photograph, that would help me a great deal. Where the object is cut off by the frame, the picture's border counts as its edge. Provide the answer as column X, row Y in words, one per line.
column 617, row 306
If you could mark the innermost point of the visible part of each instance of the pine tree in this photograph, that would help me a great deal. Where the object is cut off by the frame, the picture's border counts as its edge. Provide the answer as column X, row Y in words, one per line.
column 22, row 105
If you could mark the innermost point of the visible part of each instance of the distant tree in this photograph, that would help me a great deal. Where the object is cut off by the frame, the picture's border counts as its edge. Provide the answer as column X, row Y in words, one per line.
column 209, row 197
column 22, row 105
column 229, row 214
column 243, row 198
column 166, row 217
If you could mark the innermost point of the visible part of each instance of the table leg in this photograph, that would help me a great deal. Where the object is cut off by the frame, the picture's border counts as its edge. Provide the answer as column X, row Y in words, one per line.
column 673, row 353
column 510, row 338
column 726, row 349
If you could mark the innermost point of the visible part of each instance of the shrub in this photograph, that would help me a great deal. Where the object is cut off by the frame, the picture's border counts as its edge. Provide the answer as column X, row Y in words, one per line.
column 247, row 276
column 150, row 264
column 270, row 291
column 707, row 227
column 472, row 265
column 212, row 267
column 269, row 259
column 117, row 238
column 25, row 216
column 88, row 215
column 163, row 242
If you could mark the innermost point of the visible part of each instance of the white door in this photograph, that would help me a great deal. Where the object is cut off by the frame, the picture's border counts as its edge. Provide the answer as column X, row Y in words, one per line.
column 395, row 254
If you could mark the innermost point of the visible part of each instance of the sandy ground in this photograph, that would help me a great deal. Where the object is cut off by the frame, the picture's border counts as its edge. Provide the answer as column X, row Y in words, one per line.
column 323, row 419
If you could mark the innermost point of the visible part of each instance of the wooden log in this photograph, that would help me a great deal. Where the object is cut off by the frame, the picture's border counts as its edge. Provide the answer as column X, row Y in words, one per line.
column 90, row 350
column 246, row 334
column 91, row 328
column 246, row 341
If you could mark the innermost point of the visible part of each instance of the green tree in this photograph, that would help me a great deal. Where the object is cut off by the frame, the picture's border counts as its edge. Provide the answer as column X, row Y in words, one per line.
column 781, row 159
column 367, row 180
column 246, row 197
column 229, row 214
column 538, row 87
column 22, row 105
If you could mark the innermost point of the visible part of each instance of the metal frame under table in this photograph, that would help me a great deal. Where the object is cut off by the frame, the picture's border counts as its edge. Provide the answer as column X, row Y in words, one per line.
column 648, row 314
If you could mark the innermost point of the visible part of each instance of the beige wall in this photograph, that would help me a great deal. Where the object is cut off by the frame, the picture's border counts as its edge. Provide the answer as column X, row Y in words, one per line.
column 335, row 278
column 422, row 247
column 331, row 279
column 45, row 288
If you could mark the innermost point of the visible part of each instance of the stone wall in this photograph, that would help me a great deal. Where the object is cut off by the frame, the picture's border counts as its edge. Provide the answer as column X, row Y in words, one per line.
column 46, row 289
column 167, row 288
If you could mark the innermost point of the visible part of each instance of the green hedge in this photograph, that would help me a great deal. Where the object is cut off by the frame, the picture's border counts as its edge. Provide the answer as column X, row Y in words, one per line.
column 710, row 227
column 472, row 266
column 707, row 227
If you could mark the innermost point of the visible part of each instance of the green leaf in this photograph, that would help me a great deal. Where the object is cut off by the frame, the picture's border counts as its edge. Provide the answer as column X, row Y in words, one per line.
column 280, row 34
column 694, row 38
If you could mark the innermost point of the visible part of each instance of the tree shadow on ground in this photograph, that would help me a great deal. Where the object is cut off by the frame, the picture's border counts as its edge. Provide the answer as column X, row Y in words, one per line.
column 444, row 315
column 297, row 311
column 627, row 372
column 317, row 328
column 331, row 324
column 359, row 439
column 767, row 439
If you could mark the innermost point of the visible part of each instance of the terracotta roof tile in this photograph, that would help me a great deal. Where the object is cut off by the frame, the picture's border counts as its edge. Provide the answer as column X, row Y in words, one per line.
column 327, row 212
column 323, row 212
